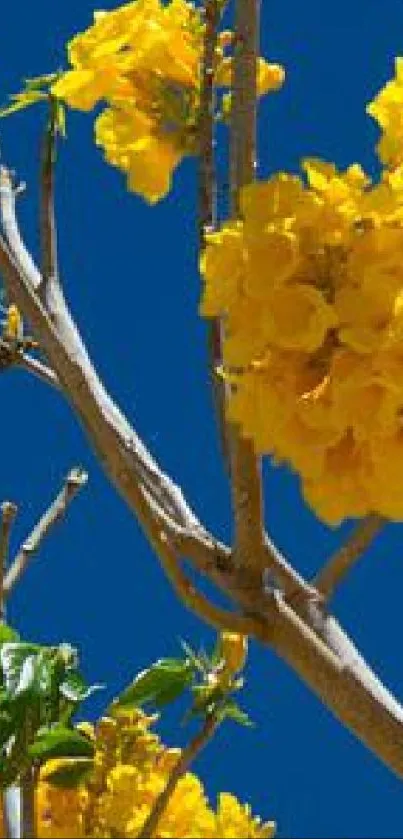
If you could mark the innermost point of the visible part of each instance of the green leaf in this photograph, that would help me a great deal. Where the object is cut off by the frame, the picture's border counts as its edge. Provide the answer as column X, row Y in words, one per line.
column 60, row 741
column 22, row 100
column 75, row 689
column 40, row 81
column 7, row 634
column 197, row 660
column 163, row 682
column 70, row 772
column 231, row 710
column 17, row 661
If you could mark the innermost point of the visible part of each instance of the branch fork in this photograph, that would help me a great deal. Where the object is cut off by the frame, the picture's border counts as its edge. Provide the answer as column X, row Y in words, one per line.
column 291, row 619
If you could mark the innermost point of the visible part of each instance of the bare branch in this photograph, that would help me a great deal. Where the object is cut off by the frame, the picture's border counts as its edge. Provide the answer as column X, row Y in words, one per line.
column 8, row 513
column 343, row 560
column 76, row 479
column 13, row 356
column 28, row 809
column 10, row 228
column 186, row 759
column 246, row 478
column 205, row 131
column 313, row 644
column 208, row 201
column 50, row 272
column 40, row 370
column 362, row 705
column 199, row 604
column 244, row 102
column 123, row 455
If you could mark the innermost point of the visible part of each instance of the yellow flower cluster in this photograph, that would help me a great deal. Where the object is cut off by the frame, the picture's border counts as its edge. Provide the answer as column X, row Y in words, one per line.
column 143, row 59
column 132, row 767
column 310, row 287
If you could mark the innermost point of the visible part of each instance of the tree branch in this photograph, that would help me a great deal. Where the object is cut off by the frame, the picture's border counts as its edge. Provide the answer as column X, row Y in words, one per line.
column 128, row 463
column 28, row 809
column 48, row 233
column 8, row 514
column 329, row 664
column 186, row 759
column 26, row 362
column 208, row 201
column 199, row 604
column 343, row 560
column 73, row 483
column 246, row 478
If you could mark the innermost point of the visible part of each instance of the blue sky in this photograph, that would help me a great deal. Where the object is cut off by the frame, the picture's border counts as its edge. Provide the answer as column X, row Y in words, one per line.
column 130, row 274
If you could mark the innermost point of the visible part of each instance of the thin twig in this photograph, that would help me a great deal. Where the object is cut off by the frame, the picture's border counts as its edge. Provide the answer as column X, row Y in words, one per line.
column 207, row 209
column 187, row 757
column 244, row 99
column 76, row 479
column 28, row 809
column 343, row 560
column 8, row 514
column 38, row 368
column 246, row 477
column 48, row 234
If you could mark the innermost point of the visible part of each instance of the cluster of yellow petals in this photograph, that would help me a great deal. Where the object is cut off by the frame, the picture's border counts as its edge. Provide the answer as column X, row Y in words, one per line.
column 309, row 284
column 143, row 60
column 131, row 769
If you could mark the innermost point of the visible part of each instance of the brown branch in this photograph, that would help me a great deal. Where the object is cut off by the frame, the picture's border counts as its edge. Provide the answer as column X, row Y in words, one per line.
column 26, row 362
column 12, row 356
column 344, row 559
column 246, row 477
column 128, row 463
column 207, row 209
column 199, row 604
column 207, row 179
column 73, row 483
column 28, row 804
column 375, row 719
column 244, row 99
column 8, row 513
column 182, row 766
column 48, row 234
column 329, row 664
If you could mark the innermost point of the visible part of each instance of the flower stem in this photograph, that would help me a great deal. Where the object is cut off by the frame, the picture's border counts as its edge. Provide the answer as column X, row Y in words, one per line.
column 187, row 757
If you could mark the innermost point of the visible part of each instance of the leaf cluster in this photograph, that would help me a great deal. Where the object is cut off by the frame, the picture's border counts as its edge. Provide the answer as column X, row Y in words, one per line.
column 168, row 678
column 41, row 688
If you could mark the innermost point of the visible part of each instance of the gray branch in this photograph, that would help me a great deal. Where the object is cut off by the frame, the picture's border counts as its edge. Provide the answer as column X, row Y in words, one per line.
column 304, row 635
column 76, row 479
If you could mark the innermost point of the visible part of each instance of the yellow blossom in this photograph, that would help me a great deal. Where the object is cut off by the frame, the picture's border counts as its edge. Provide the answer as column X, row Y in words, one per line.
column 13, row 325
column 234, row 821
column 142, row 61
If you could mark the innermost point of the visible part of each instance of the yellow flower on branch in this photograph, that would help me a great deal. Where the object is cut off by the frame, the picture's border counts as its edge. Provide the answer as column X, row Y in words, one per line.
column 309, row 286
column 143, row 60
column 136, row 767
